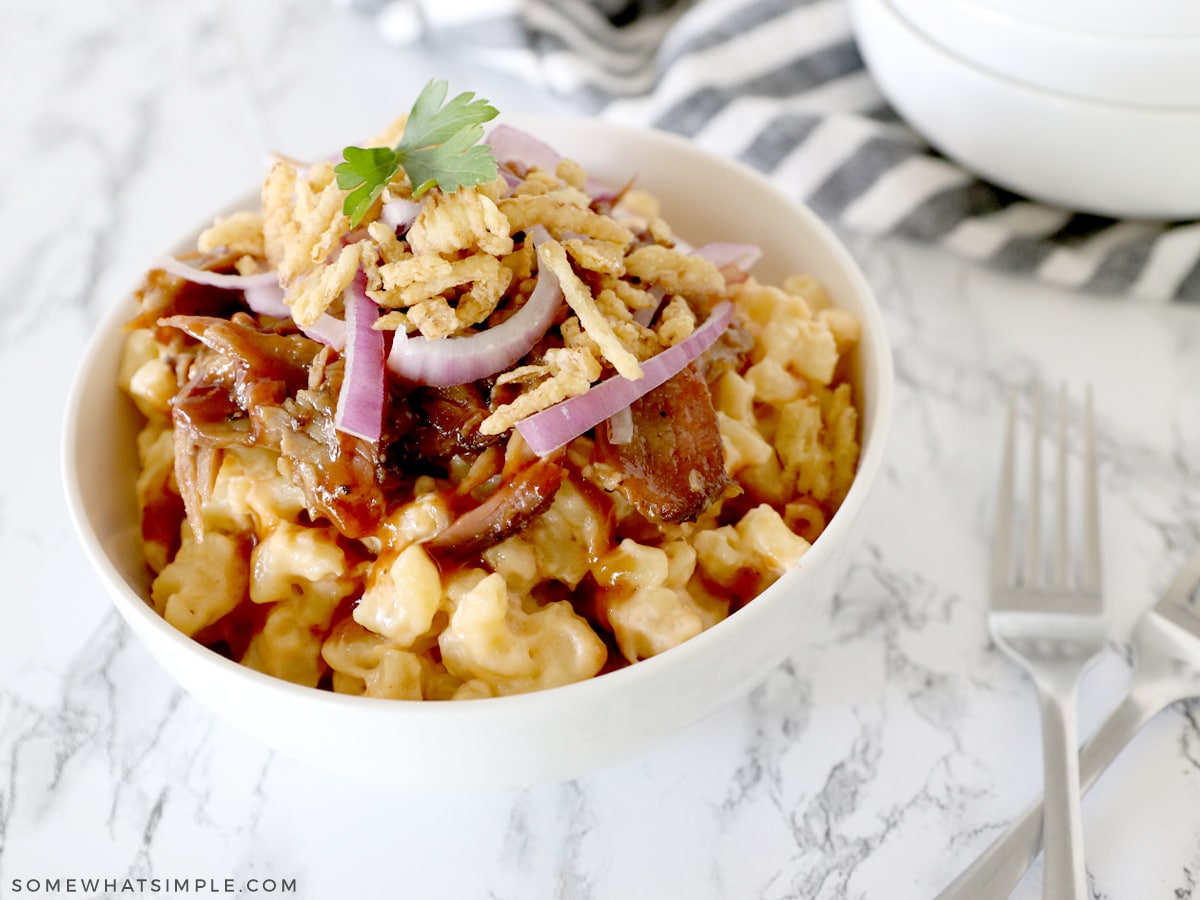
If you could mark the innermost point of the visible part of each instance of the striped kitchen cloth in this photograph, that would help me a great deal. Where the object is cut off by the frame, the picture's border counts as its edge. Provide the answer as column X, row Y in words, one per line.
column 780, row 85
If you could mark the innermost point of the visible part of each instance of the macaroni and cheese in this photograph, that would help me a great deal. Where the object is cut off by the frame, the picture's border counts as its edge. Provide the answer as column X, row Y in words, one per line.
column 445, row 558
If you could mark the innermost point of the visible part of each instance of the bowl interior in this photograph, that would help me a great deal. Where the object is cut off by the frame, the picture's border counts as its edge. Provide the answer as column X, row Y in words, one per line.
column 705, row 199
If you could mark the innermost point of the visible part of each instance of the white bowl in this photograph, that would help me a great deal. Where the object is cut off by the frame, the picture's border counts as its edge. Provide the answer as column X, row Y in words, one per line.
column 1034, row 109
column 553, row 734
column 1144, row 54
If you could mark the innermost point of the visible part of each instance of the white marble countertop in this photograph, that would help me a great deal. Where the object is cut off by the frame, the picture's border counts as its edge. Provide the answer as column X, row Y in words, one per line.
column 891, row 748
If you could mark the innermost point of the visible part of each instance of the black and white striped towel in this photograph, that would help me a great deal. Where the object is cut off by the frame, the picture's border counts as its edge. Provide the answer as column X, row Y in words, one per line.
column 780, row 85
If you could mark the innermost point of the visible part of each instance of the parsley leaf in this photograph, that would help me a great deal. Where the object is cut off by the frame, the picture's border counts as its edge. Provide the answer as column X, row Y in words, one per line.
column 365, row 173
column 440, row 146
column 428, row 124
column 458, row 162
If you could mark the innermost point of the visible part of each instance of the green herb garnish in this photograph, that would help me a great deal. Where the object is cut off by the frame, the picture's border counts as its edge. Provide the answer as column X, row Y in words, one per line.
column 440, row 147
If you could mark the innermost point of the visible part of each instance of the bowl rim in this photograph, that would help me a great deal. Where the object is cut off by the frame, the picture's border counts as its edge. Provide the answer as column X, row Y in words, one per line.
column 958, row 30
column 1108, row 19
column 130, row 604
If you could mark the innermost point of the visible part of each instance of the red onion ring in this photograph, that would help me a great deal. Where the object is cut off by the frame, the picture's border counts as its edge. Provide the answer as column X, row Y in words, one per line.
column 180, row 269
column 514, row 145
column 399, row 214
column 620, row 426
column 267, row 300
column 263, row 295
column 645, row 316
column 734, row 260
column 551, row 428
column 443, row 362
column 328, row 330
column 360, row 402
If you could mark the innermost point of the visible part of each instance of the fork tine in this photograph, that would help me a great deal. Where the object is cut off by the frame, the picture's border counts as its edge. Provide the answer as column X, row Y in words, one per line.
column 1060, row 519
column 1091, row 504
column 1055, row 633
column 1002, row 537
column 1033, row 536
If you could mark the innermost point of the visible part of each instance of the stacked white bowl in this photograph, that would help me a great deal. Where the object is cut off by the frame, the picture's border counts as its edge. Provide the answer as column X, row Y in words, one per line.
column 1093, row 105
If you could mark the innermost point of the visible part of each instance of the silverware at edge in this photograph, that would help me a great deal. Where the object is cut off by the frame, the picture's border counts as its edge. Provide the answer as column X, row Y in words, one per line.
column 1166, row 651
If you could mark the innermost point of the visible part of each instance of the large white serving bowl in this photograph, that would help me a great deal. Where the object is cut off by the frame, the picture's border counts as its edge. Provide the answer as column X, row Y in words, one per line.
column 1104, row 122
column 556, row 734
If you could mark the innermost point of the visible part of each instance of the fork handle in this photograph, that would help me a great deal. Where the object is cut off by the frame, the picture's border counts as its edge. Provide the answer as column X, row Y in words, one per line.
column 1064, row 876
column 996, row 873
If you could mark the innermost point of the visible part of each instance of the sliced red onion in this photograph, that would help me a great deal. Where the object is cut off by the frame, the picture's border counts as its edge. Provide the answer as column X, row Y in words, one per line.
column 551, row 428
column 443, row 362
column 620, row 426
column 723, row 255
column 598, row 190
column 328, row 330
column 539, row 235
column 181, row 269
column 514, row 145
column 399, row 214
column 510, row 179
column 360, row 401
column 263, row 295
column 645, row 316
column 267, row 300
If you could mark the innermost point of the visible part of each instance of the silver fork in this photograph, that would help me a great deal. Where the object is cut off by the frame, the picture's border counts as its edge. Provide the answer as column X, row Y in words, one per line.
column 1166, row 670
column 1054, row 627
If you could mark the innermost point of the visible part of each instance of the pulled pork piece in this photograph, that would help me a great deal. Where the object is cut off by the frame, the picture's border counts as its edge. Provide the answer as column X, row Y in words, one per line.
column 674, row 466
column 428, row 426
column 528, row 493
column 163, row 294
column 731, row 353
column 336, row 471
column 249, row 387
column 266, row 367
column 205, row 420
